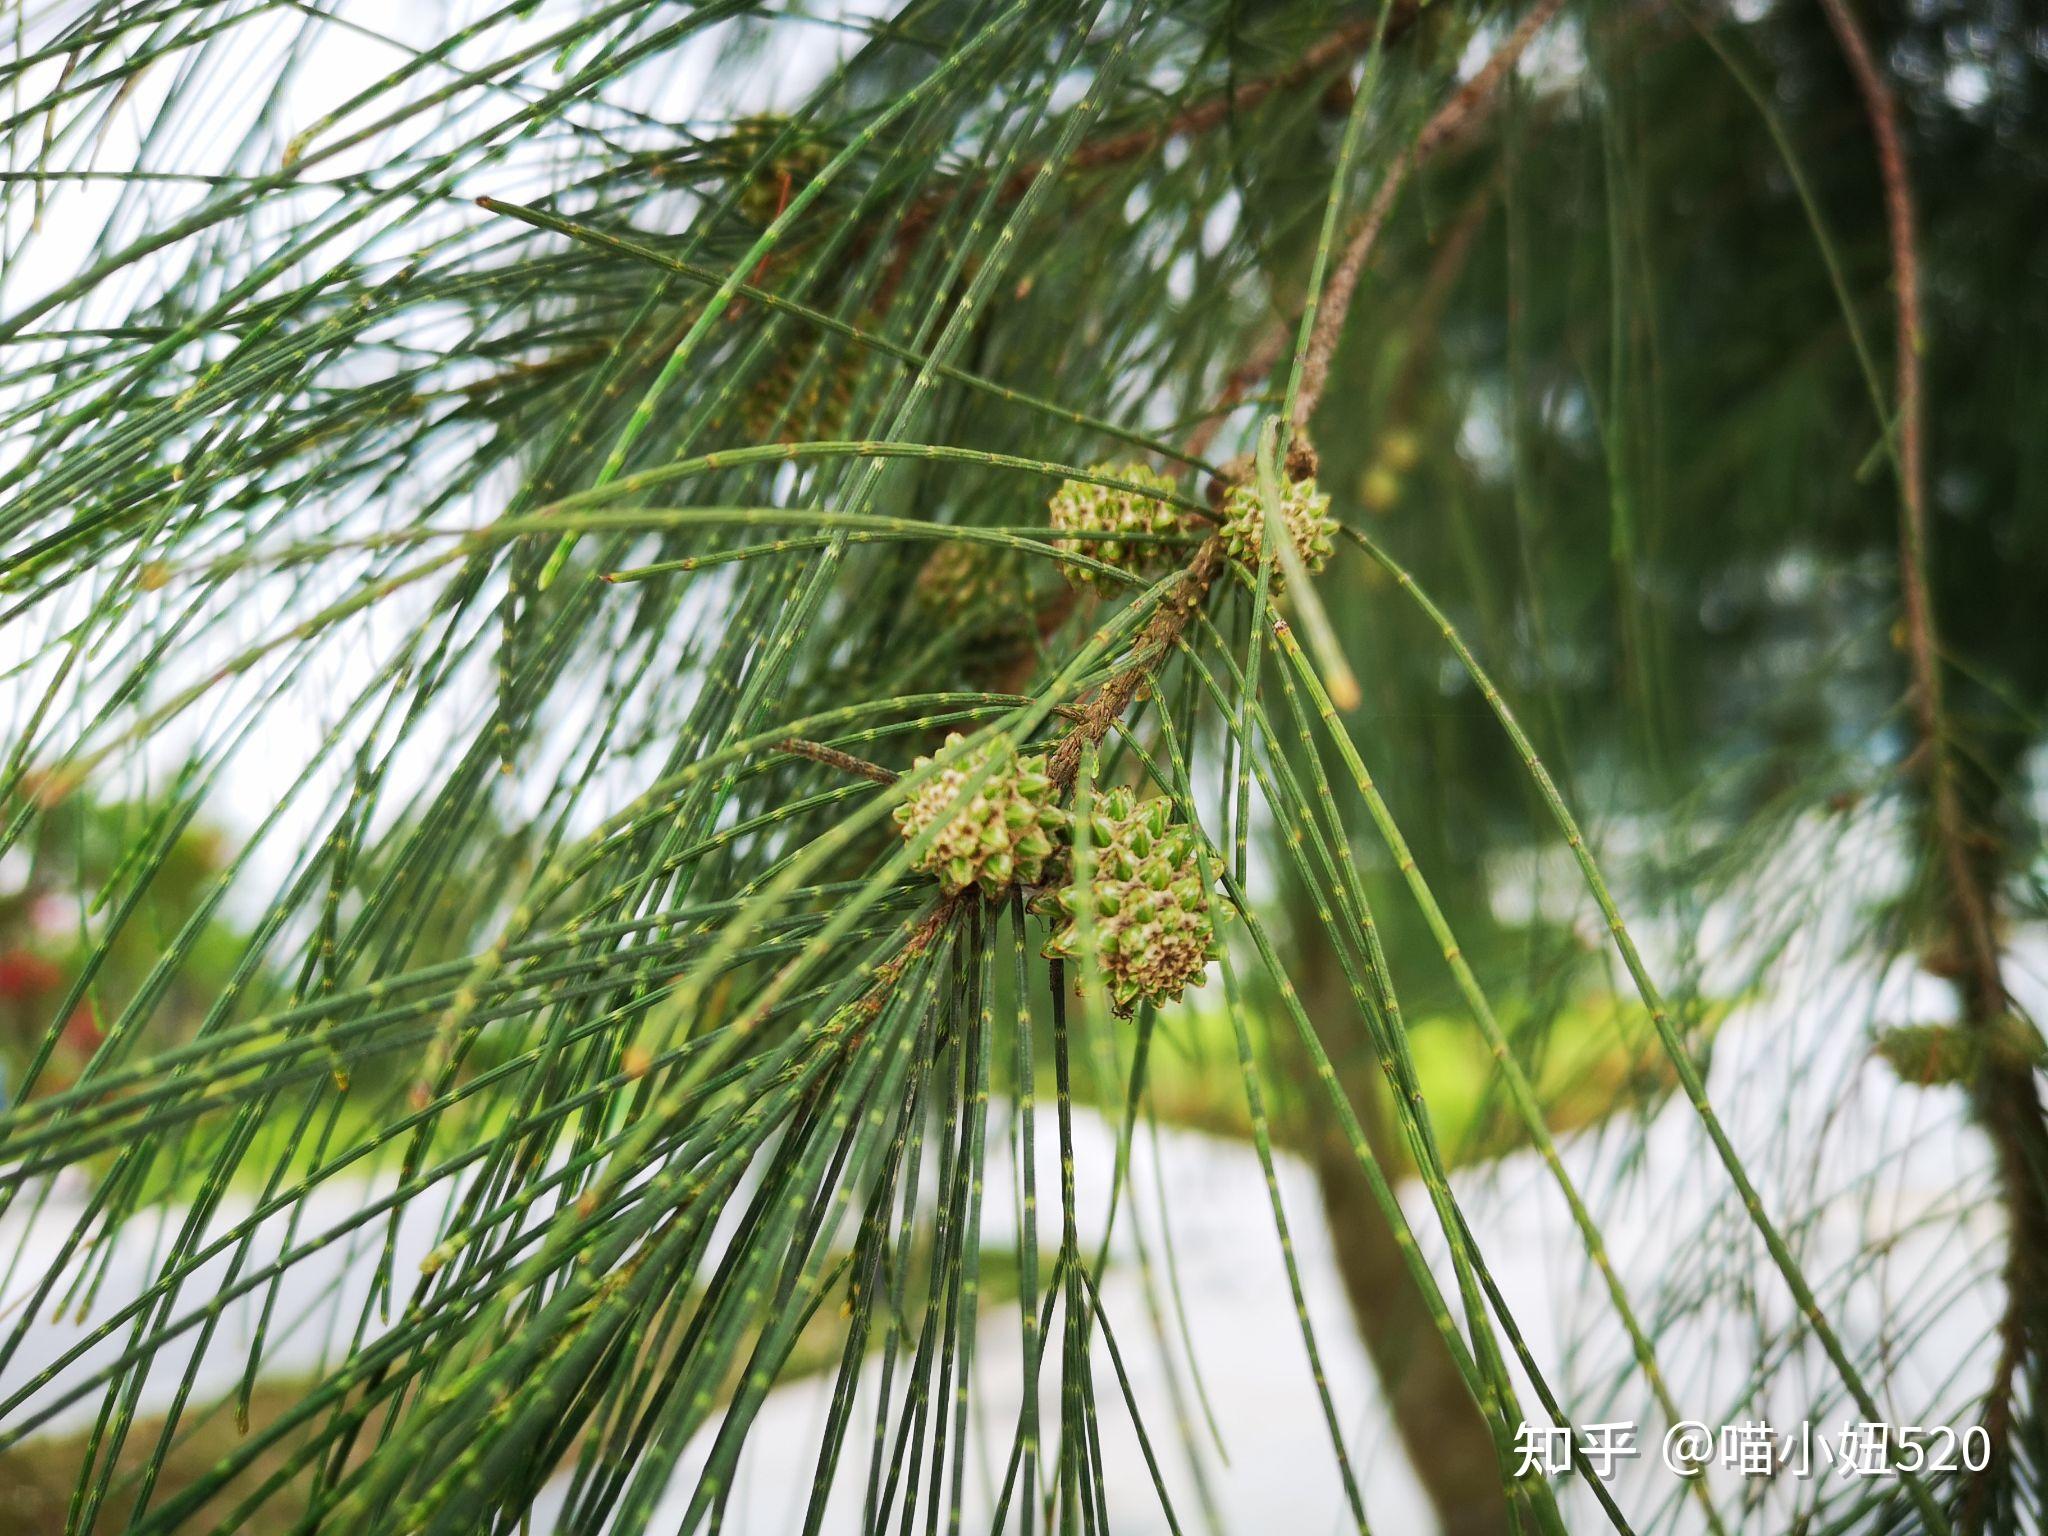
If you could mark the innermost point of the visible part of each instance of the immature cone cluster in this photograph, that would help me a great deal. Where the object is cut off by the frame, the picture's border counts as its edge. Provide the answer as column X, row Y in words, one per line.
column 1304, row 516
column 1153, row 925
column 796, row 399
column 1080, row 505
column 962, row 578
column 1927, row 1054
column 1000, row 835
column 769, row 188
column 1380, row 487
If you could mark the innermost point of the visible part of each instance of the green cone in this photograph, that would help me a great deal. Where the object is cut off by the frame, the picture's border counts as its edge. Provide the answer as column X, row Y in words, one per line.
column 1078, row 504
column 1152, row 914
column 1001, row 835
column 1304, row 514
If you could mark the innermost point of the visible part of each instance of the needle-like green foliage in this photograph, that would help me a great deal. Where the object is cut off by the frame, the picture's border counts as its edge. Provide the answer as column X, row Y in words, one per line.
column 713, row 562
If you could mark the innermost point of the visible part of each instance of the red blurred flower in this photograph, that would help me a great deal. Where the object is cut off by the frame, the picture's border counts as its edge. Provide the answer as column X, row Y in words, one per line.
column 26, row 975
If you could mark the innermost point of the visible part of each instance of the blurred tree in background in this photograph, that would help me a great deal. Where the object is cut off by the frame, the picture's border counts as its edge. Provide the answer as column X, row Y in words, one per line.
column 62, row 953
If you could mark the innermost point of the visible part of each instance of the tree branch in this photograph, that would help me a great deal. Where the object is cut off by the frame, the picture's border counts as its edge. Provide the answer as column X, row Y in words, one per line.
column 1202, row 117
column 1453, row 121
column 1457, row 117
column 2009, row 1102
column 832, row 757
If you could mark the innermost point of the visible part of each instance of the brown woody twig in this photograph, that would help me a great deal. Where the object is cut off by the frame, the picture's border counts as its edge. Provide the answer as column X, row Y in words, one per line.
column 832, row 757
column 2010, row 1103
column 1457, row 117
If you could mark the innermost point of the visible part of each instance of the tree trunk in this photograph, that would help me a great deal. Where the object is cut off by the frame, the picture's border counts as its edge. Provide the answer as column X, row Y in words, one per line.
column 1447, row 1441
